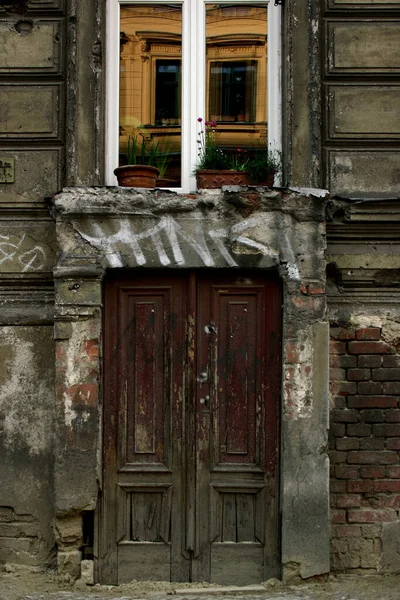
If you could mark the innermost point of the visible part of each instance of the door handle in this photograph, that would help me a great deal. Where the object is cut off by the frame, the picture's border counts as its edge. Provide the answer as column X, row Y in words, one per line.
column 203, row 377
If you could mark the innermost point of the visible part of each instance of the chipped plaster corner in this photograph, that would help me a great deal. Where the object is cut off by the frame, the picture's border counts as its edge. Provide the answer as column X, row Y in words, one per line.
column 388, row 322
column 316, row 192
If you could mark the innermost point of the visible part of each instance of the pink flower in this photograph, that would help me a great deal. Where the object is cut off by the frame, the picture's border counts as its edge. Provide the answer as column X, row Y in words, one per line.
column 200, row 120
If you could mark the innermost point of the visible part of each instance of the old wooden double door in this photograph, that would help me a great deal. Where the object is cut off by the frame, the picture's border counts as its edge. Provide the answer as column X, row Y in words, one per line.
column 190, row 431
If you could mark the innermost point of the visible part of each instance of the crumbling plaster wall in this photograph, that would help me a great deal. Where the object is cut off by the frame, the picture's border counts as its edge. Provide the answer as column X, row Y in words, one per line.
column 103, row 228
column 27, row 414
column 27, row 444
column 51, row 104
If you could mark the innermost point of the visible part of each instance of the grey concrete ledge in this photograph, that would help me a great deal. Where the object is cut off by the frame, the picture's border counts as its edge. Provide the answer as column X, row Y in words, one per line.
column 117, row 201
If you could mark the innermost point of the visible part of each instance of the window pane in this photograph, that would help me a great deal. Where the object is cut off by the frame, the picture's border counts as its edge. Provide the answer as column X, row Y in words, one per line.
column 236, row 38
column 150, row 87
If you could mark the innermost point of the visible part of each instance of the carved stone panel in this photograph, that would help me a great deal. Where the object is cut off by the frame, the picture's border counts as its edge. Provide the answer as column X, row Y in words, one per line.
column 363, row 47
column 363, row 111
column 367, row 4
column 28, row 248
column 46, row 4
column 30, row 111
column 38, row 50
column 37, row 175
column 361, row 172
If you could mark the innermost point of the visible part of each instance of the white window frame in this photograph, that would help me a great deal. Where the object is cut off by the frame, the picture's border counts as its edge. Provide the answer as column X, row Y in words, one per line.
column 193, row 80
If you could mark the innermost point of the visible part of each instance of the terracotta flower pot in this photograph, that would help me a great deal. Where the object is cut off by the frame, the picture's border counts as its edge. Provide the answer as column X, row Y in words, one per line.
column 211, row 179
column 142, row 176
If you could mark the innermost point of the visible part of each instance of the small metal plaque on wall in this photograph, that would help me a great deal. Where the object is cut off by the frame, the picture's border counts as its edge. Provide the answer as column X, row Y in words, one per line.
column 7, row 173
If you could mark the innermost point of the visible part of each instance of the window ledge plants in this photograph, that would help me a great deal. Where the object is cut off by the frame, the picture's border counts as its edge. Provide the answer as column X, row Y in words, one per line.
column 141, row 158
column 263, row 165
column 216, row 167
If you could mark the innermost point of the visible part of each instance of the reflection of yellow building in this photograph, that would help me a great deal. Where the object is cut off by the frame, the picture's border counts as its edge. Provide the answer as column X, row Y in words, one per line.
column 150, row 74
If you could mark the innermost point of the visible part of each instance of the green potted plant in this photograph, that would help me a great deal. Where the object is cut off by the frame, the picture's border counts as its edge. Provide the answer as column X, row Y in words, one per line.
column 141, row 168
column 215, row 167
column 262, row 166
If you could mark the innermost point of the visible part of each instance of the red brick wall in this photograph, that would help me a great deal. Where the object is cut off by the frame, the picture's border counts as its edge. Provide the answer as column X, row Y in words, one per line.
column 365, row 444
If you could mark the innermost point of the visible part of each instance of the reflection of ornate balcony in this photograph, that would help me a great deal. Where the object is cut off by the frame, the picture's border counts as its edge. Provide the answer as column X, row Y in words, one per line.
column 234, row 134
column 238, row 40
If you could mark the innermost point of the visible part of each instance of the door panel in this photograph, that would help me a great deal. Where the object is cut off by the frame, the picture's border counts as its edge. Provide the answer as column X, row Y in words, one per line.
column 143, row 480
column 236, row 488
column 191, row 428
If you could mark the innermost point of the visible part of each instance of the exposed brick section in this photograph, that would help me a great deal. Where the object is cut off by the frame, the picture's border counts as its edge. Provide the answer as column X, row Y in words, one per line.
column 369, row 333
column 359, row 374
column 345, row 416
column 347, row 443
column 371, row 516
column 391, row 361
column 372, row 473
column 373, row 402
column 393, row 444
column 359, row 430
column 343, row 388
column 383, row 374
column 393, row 472
column 364, row 443
column 340, row 360
column 337, row 347
column 391, row 387
column 387, row 485
column 392, row 416
column 372, row 458
column 369, row 387
column 368, row 348
column 356, row 486
column 372, row 443
column 342, row 333
column 364, row 360
column 387, row 429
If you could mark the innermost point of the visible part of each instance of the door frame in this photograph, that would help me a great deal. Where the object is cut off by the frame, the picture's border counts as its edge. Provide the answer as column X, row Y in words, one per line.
column 274, row 231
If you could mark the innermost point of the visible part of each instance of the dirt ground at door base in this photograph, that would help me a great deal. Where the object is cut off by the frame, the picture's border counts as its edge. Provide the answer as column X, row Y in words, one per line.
column 18, row 583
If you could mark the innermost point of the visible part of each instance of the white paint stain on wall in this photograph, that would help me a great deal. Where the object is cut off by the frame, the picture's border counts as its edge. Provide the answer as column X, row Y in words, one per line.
column 13, row 248
column 26, row 393
column 75, row 371
column 299, row 377
column 171, row 238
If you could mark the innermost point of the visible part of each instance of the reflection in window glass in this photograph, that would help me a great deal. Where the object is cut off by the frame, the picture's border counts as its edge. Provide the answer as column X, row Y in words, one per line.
column 150, row 87
column 232, row 91
column 168, row 92
column 236, row 37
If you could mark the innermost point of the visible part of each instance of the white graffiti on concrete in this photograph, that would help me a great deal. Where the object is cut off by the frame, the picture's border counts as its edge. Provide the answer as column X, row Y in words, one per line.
column 32, row 259
column 126, row 240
